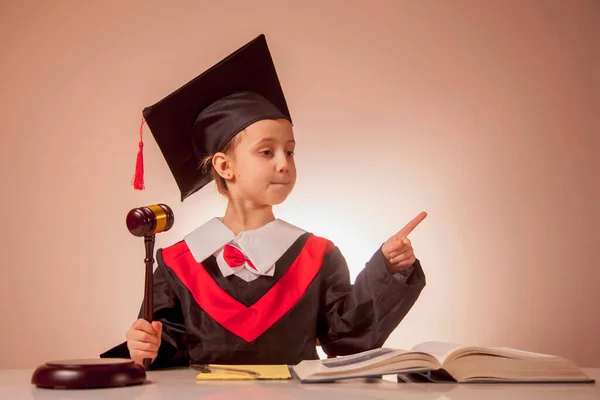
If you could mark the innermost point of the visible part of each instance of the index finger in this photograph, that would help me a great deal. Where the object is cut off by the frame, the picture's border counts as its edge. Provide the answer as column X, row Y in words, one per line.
column 408, row 228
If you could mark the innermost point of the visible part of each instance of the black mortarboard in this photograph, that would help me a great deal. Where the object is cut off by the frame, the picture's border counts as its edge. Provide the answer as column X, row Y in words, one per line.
column 199, row 118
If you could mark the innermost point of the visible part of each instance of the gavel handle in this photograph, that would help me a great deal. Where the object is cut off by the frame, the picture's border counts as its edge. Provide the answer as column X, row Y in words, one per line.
column 149, row 286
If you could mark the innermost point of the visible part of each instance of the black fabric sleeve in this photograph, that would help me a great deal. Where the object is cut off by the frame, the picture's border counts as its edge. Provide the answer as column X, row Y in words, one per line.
column 359, row 317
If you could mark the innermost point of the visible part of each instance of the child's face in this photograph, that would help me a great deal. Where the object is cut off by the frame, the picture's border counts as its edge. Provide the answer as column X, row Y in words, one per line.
column 263, row 163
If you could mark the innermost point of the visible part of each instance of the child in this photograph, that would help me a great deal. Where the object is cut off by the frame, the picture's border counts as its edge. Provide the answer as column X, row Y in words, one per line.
column 248, row 288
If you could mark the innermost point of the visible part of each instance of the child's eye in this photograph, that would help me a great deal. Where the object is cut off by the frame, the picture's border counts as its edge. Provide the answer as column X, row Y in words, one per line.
column 266, row 152
column 290, row 153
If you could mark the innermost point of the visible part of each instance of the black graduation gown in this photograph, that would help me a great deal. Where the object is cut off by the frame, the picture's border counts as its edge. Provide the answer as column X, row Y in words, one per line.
column 208, row 318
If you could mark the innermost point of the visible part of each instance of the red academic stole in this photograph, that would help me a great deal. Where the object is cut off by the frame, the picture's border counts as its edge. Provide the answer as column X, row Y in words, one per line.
column 248, row 322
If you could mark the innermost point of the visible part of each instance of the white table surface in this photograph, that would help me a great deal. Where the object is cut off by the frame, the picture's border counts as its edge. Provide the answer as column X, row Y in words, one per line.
column 181, row 384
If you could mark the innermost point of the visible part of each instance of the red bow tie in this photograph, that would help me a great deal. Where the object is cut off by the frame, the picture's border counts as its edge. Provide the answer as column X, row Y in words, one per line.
column 235, row 258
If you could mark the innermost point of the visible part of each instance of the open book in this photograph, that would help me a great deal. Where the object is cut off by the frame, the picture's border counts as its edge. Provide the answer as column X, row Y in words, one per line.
column 443, row 362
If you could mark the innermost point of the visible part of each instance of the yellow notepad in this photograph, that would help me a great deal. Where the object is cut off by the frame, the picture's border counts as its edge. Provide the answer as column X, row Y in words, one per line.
column 242, row 372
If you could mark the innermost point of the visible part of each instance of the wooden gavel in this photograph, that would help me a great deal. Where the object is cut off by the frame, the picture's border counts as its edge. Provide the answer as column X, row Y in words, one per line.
column 147, row 222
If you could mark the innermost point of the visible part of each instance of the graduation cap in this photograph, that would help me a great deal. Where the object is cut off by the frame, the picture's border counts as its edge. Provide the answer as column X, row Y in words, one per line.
column 201, row 117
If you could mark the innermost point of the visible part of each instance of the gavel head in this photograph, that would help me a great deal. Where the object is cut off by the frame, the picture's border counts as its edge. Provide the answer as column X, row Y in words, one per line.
column 150, row 220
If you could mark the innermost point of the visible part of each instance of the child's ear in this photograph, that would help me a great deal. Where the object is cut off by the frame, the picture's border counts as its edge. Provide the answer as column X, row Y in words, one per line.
column 222, row 165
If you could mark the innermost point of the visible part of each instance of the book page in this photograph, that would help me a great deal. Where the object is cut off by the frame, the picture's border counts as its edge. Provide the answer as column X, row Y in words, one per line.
column 440, row 350
column 359, row 358
column 371, row 362
column 443, row 350
column 519, row 353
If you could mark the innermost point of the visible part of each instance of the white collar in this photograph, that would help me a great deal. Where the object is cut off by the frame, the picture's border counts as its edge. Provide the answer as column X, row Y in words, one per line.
column 263, row 246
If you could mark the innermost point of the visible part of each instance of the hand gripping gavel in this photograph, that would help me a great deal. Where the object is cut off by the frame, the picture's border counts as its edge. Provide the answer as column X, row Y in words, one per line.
column 147, row 222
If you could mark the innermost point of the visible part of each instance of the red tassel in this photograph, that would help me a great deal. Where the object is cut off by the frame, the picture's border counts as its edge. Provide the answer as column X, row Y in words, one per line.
column 138, row 177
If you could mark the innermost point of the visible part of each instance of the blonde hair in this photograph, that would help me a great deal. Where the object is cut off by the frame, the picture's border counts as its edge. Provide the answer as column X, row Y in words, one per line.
column 207, row 166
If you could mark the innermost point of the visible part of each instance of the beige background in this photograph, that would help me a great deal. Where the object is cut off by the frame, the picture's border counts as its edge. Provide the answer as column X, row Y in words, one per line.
column 483, row 113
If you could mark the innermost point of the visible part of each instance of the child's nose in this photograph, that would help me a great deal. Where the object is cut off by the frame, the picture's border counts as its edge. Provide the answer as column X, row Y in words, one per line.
column 282, row 164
